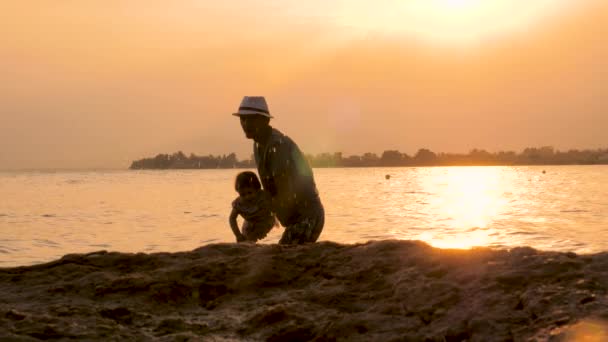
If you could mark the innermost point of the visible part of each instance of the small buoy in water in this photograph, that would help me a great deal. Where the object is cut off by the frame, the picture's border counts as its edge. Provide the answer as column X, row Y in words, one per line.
column 387, row 176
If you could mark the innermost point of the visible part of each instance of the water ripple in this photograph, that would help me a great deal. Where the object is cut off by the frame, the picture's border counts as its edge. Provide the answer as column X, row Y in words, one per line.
column 101, row 245
column 209, row 241
column 46, row 243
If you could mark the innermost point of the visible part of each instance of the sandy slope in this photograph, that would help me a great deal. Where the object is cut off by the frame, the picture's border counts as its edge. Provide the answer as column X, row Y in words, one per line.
column 379, row 291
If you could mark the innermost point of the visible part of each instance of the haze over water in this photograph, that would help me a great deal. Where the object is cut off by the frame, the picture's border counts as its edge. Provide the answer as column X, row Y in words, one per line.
column 44, row 215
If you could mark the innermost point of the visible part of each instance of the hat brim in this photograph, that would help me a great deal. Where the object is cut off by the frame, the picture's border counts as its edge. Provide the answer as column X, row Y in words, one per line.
column 252, row 112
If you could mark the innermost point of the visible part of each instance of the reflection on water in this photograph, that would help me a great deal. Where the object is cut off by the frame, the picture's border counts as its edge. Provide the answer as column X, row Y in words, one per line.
column 470, row 197
column 45, row 215
column 461, row 207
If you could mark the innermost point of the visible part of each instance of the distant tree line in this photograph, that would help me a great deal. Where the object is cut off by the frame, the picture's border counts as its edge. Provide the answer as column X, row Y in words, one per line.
column 179, row 160
column 424, row 157
column 546, row 155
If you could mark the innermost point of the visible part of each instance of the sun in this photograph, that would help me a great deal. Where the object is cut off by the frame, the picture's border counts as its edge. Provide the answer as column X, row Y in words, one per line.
column 460, row 4
column 448, row 21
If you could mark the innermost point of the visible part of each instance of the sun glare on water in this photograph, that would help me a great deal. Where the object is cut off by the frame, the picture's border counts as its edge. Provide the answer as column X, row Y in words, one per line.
column 471, row 199
column 448, row 21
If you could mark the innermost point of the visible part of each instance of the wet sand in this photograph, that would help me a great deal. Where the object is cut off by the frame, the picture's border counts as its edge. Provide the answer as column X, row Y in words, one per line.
column 378, row 291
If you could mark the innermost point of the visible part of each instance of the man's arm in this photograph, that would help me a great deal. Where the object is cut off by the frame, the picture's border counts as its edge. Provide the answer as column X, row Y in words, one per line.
column 235, row 227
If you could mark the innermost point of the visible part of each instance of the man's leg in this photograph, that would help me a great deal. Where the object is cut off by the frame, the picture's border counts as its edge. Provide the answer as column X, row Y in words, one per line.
column 307, row 230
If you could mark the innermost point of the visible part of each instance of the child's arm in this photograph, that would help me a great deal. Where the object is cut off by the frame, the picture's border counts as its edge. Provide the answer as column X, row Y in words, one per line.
column 235, row 227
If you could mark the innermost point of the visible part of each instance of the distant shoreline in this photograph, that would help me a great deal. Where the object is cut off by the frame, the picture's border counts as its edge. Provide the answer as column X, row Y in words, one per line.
column 390, row 158
column 347, row 167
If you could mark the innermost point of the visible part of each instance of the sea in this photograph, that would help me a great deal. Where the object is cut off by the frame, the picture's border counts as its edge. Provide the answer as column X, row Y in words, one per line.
column 47, row 214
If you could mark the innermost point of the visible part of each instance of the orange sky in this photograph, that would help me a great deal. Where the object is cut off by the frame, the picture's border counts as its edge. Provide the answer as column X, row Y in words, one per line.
column 100, row 83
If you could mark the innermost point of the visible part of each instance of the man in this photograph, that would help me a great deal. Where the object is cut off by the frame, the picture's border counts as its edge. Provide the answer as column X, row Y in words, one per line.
column 284, row 173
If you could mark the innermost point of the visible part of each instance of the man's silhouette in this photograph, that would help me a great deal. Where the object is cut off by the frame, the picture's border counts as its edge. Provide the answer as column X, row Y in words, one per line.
column 284, row 173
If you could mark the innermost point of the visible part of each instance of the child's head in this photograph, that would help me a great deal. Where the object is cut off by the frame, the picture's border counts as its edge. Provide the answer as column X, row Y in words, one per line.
column 247, row 184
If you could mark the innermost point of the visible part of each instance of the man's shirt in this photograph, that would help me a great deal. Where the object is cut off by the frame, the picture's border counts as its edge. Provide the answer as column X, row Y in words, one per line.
column 286, row 175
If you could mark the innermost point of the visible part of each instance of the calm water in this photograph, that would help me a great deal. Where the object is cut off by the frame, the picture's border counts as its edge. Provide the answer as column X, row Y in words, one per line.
column 44, row 215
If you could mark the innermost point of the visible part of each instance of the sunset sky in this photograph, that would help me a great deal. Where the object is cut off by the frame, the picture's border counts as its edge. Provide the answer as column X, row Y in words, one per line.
column 94, row 83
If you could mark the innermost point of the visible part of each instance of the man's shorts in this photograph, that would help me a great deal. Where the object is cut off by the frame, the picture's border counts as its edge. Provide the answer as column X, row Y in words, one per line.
column 306, row 230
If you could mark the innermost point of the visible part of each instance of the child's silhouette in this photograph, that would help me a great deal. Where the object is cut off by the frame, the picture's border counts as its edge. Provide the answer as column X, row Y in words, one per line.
column 254, row 206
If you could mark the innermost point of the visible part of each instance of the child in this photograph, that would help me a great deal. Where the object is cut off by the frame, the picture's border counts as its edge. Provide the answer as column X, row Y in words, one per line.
column 253, row 204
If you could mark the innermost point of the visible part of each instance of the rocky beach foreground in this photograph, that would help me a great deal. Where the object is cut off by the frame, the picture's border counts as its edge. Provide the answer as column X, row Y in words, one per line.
column 377, row 291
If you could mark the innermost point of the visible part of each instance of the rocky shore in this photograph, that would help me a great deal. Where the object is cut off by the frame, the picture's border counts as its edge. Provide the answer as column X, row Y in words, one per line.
column 377, row 291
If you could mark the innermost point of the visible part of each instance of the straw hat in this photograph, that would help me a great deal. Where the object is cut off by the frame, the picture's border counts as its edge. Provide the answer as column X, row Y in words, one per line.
column 253, row 105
